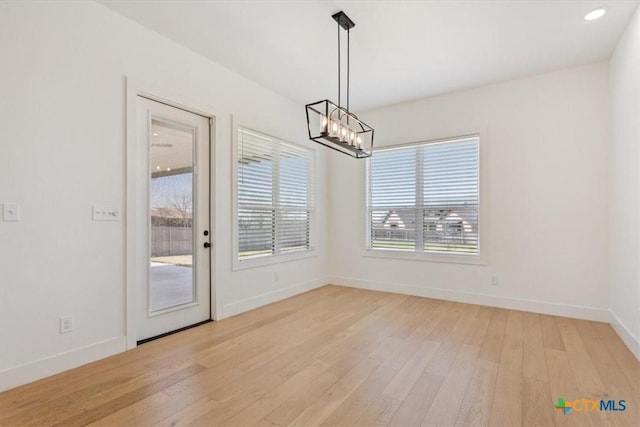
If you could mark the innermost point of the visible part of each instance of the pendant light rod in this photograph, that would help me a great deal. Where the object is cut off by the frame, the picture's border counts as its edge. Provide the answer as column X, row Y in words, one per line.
column 346, row 24
column 348, row 62
column 339, row 67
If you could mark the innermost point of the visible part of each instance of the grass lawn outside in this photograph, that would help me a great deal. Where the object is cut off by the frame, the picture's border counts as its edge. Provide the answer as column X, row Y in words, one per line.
column 428, row 247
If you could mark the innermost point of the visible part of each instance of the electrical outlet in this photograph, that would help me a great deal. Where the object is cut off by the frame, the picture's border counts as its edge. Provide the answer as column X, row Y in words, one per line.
column 276, row 276
column 494, row 280
column 66, row 324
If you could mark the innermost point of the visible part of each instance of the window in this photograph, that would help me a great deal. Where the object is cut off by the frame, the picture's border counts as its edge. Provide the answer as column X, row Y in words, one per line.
column 425, row 198
column 275, row 196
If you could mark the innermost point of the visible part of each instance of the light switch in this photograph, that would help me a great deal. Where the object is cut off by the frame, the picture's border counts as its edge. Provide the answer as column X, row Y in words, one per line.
column 11, row 212
column 106, row 213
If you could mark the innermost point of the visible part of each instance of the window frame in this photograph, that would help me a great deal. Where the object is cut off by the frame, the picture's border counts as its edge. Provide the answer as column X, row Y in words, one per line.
column 248, row 263
column 482, row 257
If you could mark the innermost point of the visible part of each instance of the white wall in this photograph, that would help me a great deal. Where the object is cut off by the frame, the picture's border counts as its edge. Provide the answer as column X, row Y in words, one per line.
column 624, row 196
column 62, row 137
column 547, row 147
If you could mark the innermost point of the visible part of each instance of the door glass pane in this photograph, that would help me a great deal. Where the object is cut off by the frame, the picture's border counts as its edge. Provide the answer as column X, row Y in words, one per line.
column 171, row 280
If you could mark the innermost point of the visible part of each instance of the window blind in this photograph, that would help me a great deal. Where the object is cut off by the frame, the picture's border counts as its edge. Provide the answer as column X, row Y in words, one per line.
column 275, row 195
column 425, row 197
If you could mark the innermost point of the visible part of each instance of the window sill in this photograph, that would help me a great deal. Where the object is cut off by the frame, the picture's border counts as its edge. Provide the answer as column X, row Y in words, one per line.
column 426, row 257
column 249, row 263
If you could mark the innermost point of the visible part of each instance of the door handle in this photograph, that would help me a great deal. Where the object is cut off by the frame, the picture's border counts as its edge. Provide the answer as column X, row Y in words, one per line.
column 207, row 245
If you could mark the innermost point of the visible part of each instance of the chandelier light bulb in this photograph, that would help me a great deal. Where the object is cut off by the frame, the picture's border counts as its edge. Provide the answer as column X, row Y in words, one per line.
column 333, row 128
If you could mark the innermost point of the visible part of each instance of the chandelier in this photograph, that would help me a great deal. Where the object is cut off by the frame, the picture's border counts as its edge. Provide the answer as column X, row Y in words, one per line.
column 333, row 125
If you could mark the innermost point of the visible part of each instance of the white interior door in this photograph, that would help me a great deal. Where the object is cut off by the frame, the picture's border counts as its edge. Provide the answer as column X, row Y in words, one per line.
column 176, row 289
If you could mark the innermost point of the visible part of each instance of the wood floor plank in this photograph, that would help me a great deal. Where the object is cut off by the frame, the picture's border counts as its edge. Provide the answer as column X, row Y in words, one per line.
column 563, row 385
column 287, row 411
column 537, row 403
column 507, row 404
column 378, row 412
column 352, row 408
column 492, row 344
column 444, row 358
column 189, row 413
column 384, row 406
column 533, row 362
column 436, row 311
column 236, row 395
column 631, row 416
column 478, row 332
column 345, row 356
column 145, row 412
column 408, row 375
column 413, row 319
column 360, row 402
column 485, row 312
column 536, row 393
column 322, row 408
column 353, row 369
column 95, row 413
column 416, row 404
column 622, row 357
column 67, row 405
column 478, row 398
column 261, row 408
column 587, row 378
column 550, row 333
column 601, row 357
column 447, row 403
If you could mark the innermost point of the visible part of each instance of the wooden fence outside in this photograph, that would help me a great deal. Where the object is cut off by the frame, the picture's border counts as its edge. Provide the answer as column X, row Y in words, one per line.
column 169, row 241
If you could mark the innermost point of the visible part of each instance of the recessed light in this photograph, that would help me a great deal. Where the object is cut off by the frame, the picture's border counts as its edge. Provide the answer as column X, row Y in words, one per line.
column 155, row 134
column 595, row 14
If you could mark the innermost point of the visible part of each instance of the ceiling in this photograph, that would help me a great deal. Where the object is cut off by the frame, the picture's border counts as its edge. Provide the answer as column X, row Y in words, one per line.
column 400, row 50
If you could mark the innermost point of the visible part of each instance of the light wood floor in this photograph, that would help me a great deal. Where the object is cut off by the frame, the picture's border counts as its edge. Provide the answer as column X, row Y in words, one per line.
column 341, row 356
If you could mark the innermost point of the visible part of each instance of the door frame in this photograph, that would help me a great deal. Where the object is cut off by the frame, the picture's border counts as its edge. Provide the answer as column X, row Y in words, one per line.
column 135, row 189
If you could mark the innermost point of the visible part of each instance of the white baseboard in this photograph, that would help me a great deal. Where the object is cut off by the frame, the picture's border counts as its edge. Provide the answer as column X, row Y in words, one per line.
column 625, row 334
column 270, row 297
column 566, row 310
column 28, row 372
